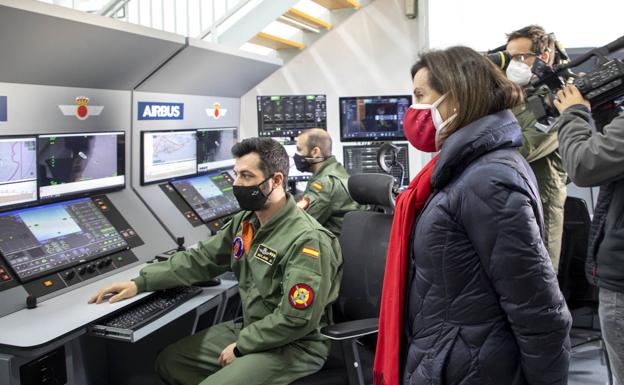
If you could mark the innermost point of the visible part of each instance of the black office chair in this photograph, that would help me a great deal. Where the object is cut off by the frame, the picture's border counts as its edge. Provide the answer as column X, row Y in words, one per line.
column 364, row 242
column 580, row 295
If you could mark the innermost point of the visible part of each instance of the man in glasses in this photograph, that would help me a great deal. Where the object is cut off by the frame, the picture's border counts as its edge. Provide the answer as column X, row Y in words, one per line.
column 530, row 48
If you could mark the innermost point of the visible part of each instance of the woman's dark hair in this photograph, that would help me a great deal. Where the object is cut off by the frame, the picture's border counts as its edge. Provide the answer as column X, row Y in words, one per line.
column 273, row 156
column 473, row 84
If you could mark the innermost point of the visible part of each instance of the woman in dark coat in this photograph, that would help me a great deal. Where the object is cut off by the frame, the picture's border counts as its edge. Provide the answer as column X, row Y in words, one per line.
column 471, row 298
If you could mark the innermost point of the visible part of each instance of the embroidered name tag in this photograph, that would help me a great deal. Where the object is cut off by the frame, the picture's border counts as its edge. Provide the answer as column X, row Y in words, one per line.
column 266, row 254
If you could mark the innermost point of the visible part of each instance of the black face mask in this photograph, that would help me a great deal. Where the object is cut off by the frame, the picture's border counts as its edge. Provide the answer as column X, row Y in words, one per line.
column 302, row 162
column 251, row 198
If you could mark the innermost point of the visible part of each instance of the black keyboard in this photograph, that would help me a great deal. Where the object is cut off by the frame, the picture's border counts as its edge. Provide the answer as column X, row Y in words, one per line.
column 153, row 307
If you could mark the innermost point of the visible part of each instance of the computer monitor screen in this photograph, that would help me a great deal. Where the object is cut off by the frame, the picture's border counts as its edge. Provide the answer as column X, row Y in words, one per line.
column 293, row 173
column 214, row 148
column 167, row 155
column 40, row 240
column 289, row 115
column 70, row 164
column 210, row 195
column 366, row 118
column 363, row 160
column 18, row 170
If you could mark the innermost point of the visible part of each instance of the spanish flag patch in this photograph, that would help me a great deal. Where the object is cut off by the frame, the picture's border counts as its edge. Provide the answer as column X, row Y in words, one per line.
column 311, row 252
column 317, row 186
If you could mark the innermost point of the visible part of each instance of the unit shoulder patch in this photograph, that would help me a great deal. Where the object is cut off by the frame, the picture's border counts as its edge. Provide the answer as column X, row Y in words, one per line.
column 301, row 296
column 237, row 248
column 266, row 254
column 304, row 203
column 310, row 252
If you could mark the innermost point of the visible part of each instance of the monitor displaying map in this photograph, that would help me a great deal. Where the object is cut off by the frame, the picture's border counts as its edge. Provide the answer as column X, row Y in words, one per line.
column 18, row 170
column 168, row 154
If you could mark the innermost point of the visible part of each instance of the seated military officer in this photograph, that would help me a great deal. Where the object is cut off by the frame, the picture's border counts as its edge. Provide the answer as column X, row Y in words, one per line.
column 288, row 268
column 326, row 197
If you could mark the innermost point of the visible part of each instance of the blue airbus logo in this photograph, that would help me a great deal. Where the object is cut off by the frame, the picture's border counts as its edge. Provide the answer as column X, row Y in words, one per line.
column 3, row 108
column 160, row 111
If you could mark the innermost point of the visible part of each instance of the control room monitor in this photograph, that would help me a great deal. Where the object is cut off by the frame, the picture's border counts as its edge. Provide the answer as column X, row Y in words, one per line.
column 289, row 115
column 293, row 173
column 214, row 148
column 211, row 195
column 362, row 159
column 70, row 164
column 41, row 240
column 18, row 170
column 168, row 154
column 366, row 118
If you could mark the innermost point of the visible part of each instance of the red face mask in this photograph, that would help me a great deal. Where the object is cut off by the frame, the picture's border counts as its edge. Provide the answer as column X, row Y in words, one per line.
column 419, row 129
column 421, row 122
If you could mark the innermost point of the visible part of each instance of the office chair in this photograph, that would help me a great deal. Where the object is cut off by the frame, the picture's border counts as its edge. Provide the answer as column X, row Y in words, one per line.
column 364, row 242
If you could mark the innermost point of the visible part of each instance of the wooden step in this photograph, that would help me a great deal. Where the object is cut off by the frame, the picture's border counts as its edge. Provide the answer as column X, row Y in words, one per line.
column 304, row 18
column 339, row 4
column 271, row 41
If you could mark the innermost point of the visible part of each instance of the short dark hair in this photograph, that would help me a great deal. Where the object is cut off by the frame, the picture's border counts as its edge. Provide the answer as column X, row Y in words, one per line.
column 317, row 137
column 273, row 156
column 473, row 83
column 540, row 40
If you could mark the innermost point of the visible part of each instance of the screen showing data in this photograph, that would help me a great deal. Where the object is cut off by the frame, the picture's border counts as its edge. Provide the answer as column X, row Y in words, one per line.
column 289, row 115
column 366, row 118
column 18, row 170
column 70, row 164
column 168, row 155
column 214, row 148
column 210, row 195
column 40, row 240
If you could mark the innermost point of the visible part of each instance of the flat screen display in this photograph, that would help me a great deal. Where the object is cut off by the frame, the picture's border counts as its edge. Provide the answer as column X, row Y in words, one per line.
column 368, row 118
column 214, row 148
column 289, row 115
column 168, row 154
column 18, row 170
column 70, row 164
column 40, row 240
column 210, row 195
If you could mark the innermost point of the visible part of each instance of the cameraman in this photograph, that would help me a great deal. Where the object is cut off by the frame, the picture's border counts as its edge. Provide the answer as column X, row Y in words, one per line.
column 527, row 46
column 597, row 158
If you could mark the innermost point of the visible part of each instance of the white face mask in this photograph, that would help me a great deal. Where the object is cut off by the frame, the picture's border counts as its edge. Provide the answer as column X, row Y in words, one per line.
column 435, row 114
column 519, row 73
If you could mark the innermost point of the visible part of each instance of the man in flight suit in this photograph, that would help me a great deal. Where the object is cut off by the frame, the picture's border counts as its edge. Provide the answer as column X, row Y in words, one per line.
column 326, row 197
column 288, row 268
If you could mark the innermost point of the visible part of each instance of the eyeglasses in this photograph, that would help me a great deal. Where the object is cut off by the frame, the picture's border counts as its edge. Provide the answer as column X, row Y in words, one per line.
column 522, row 57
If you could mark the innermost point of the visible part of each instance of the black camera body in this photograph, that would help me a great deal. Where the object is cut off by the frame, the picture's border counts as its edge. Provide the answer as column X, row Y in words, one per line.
column 603, row 85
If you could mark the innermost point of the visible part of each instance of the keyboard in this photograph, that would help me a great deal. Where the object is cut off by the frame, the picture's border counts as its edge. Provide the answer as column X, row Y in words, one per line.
column 137, row 315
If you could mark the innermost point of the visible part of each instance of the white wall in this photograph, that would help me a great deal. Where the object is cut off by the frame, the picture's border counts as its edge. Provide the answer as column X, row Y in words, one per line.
column 370, row 53
column 482, row 24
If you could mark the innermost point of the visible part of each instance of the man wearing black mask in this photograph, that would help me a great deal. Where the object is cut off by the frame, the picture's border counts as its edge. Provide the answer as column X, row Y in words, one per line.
column 326, row 197
column 288, row 269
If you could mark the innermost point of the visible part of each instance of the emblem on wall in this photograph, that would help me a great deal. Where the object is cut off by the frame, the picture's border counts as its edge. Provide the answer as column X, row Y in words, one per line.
column 216, row 111
column 81, row 110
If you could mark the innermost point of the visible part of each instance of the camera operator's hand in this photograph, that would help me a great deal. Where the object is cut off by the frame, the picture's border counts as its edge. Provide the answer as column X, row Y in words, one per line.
column 569, row 96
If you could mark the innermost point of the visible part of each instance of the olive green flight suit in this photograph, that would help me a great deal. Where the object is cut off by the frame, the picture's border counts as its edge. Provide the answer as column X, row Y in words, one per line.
column 541, row 150
column 326, row 196
column 289, row 272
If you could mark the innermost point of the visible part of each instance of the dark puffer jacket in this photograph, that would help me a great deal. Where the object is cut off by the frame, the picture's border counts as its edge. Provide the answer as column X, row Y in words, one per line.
column 483, row 305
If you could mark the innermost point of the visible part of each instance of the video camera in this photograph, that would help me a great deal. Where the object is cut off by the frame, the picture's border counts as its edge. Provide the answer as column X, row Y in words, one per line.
column 603, row 85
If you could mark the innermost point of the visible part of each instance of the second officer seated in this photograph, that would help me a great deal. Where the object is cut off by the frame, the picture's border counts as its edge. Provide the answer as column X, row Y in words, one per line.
column 288, row 268
column 326, row 196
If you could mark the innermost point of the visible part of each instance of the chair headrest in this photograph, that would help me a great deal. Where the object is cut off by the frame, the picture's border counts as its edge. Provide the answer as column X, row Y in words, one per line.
column 372, row 189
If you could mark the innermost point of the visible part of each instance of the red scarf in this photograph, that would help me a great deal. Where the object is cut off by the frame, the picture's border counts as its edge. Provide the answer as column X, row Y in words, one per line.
column 409, row 203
